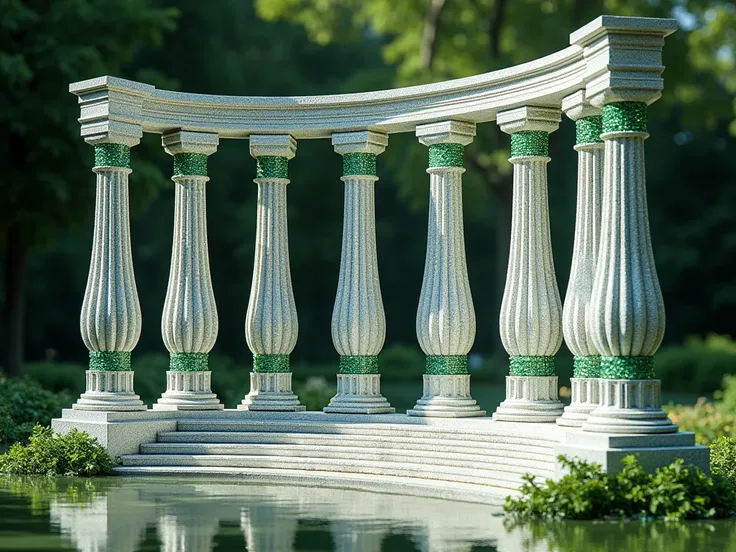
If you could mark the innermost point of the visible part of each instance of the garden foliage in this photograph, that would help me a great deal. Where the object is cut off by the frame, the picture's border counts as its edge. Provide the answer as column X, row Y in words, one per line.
column 23, row 404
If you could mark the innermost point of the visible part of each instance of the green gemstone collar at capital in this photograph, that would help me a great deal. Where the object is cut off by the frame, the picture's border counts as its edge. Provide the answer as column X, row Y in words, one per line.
column 109, row 361
column 272, row 166
column 625, row 116
column 112, row 155
column 446, row 365
column 270, row 363
column 534, row 366
column 359, row 164
column 190, row 164
column 188, row 362
column 530, row 143
column 627, row 367
column 588, row 130
column 445, row 155
column 359, row 364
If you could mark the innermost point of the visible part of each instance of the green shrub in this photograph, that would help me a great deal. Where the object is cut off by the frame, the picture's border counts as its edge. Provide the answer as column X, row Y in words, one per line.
column 723, row 458
column 315, row 393
column 672, row 492
column 47, row 453
column 705, row 419
column 698, row 366
column 58, row 376
column 24, row 403
column 726, row 395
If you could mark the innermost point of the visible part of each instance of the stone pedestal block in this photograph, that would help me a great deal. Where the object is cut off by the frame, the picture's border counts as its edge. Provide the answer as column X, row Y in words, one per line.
column 359, row 394
column 585, row 397
column 109, row 391
column 530, row 399
column 188, row 391
column 271, row 391
column 446, row 397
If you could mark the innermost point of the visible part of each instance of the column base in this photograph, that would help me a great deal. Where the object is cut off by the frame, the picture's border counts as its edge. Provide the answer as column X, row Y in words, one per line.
column 585, row 397
column 629, row 406
column 109, row 392
column 188, row 390
column 530, row 399
column 271, row 391
column 359, row 394
column 446, row 397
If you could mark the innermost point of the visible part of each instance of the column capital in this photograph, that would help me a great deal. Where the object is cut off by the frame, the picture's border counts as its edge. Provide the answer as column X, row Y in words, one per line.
column 272, row 145
column 446, row 132
column 576, row 106
column 623, row 57
column 545, row 119
column 114, row 132
column 184, row 141
column 364, row 141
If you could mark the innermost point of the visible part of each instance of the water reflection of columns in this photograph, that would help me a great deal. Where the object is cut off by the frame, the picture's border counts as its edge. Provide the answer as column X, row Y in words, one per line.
column 188, row 534
column 356, row 536
column 267, row 527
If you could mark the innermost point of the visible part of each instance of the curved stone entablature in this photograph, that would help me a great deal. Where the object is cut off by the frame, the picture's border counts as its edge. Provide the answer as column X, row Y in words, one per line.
column 614, row 58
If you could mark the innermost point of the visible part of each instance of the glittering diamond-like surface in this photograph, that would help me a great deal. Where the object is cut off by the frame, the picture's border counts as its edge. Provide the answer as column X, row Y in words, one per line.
column 190, row 164
column 627, row 367
column 109, row 361
column 188, row 362
column 588, row 130
column 530, row 142
column 112, row 155
column 531, row 366
column 358, row 164
column 446, row 365
column 623, row 116
column 270, row 363
column 445, row 155
column 359, row 364
column 588, row 366
column 272, row 166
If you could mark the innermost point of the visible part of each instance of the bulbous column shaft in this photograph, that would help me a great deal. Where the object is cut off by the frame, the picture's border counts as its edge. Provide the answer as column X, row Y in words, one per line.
column 358, row 318
column 586, row 369
column 445, row 321
column 626, row 319
column 189, row 323
column 531, row 310
column 110, row 320
column 271, row 323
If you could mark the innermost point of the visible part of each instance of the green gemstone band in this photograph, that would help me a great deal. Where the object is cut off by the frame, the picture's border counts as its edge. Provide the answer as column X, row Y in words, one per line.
column 588, row 366
column 588, row 130
column 625, row 116
column 112, row 155
column 188, row 362
column 359, row 164
column 270, row 363
column 530, row 143
column 445, row 155
column 272, row 166
column 627, row 367
column 535, row 366
column 359, row 364
column 446, row 365
column 190, row 164
column 109, row 361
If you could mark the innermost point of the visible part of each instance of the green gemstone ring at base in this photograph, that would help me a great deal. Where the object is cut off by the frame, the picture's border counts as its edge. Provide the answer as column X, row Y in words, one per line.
column 587, row 366
column 189, row 362
column 533, row 366
column 446, row 365
column 270, row 363
column 109, row 361
column 627, row 367
column 359, row 364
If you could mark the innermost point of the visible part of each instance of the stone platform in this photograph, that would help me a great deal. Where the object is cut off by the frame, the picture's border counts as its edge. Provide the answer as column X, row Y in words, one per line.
column 463, row 459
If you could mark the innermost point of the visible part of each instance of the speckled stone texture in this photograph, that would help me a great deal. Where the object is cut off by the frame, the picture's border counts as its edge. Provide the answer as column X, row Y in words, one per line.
column 109, row 391
column 446, row 397
column 529, row 399
column 271, row 392
column 359, row 394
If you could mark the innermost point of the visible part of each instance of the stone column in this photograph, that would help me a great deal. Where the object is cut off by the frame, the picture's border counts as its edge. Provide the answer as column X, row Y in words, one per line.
column 110, row 322
column 271, row 324
column 531, row 310
column 445, row 318
column 358, row 319
column 189, row 323
column 627, row 318
column 587, row 361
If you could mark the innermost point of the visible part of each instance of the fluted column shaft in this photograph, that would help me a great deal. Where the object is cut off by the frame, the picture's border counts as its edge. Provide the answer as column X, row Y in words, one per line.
column 626, row 319
column 271, row 324
column 445, row 321
column 189, row 322
column 110, row 320
column 358, row 318
column 531, row 310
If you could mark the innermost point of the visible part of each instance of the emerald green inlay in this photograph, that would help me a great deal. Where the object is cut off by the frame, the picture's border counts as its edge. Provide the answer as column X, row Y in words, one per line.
column 588, row 130
column 190, row 164
column 535, row 366
column 359, row 364
column 356, row 164
column 627, row 367
column 188, row 362
column 530, row 142
column 588, row 366
column 109, row 361
column 445, row 155
column 270, row 363
column 272, row 166
column 623, row 116
column 446, row 365
column 112, row 155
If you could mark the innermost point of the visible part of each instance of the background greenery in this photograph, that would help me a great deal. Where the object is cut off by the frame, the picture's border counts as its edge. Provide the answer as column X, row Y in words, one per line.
column 296, row 47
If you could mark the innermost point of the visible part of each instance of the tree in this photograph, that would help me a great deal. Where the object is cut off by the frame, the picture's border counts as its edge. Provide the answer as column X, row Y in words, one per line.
column 45, row 45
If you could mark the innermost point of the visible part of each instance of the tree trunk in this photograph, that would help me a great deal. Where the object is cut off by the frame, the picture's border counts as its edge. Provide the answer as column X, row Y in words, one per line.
column 14, row 308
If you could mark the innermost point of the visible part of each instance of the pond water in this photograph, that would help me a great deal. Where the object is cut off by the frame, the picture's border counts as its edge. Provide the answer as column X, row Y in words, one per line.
column 172, row 515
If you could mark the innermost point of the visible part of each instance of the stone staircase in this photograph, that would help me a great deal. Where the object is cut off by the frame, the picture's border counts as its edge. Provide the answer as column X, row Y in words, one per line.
column 475, row 457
